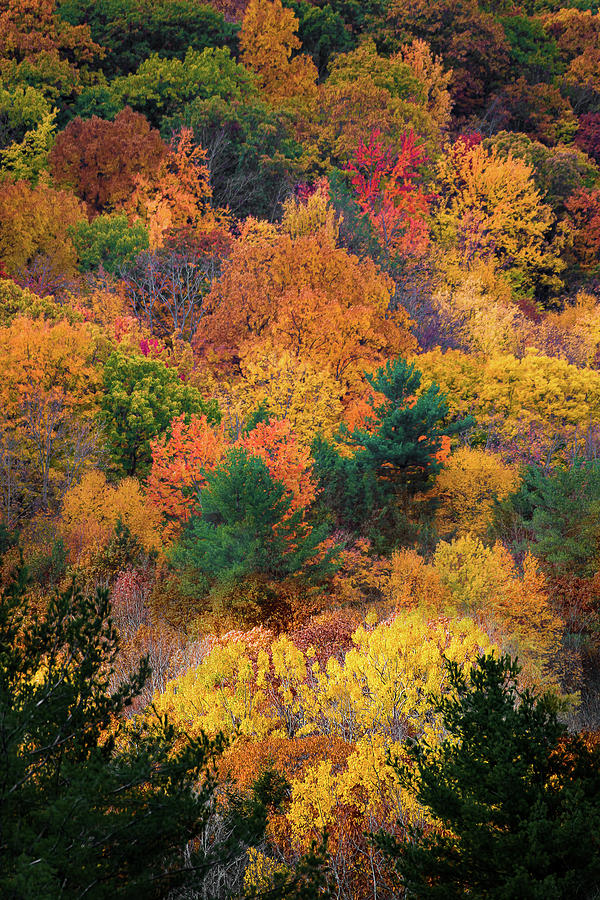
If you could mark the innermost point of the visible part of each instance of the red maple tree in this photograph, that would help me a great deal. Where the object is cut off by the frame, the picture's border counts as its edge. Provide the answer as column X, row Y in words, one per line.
column 390, row 194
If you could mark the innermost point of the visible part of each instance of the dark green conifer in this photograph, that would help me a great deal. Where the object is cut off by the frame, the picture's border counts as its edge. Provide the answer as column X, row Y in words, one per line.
column 516, row 800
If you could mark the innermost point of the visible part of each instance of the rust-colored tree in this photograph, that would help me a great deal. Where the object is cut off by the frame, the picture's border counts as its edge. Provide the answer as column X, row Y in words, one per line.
column 102, row 161
column 583, row 217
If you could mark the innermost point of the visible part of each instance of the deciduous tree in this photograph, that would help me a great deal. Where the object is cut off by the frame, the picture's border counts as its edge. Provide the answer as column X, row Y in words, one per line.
column 49, row 399
column 306, row 296
column 267, row 41
column 390, row 196
column 141, row 398
column 132, row 30
column 34, row 229
column 489, row 206
column 106, row 808
column 100, row 160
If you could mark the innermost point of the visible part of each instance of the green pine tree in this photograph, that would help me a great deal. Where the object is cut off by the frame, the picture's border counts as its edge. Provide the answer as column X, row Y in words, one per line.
column 246, row 528
column 516, row 802
column 555, row 514
column 394, row 458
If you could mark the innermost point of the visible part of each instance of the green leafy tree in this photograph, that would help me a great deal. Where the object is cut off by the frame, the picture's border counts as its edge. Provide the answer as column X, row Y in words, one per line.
column 141, row 398
column 131, row 30
column 246, row 528
column 161, row 87
column 349, row 490
column 22, row 109
column 110, row 241
column 533, row 53
column 322, row 31
column 98, row 99
column 28, row 159
column 92, row 804
column 556, row 515
column 358, row 15
column 17, row 301
column 516, row 803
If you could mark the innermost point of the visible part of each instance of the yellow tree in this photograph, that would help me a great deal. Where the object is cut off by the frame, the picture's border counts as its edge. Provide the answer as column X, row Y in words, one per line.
column 49, row 386
column 467, row 488
column 34, row 225
column 434, row 77
column 484, row 583
column 313, row 215
column 489, row 207
column 328, row 726
column 91, row 510
column 545, row 394
column 268, row 38
column 287, row 387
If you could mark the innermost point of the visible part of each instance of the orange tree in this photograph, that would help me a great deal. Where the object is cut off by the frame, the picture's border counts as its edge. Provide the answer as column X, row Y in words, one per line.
column 307, row 296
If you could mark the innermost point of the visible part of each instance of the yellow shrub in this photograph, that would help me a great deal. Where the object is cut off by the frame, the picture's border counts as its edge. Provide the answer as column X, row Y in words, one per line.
column 359, row 709
column 91, row 510
column 261, row 871
column 287, row 387
column 381, row 687
column 547, row 393
column 468, row 486
column 484, row 583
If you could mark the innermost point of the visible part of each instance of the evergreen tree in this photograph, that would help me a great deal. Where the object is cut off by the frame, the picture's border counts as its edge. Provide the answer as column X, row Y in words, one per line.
column 555, row 514
column 394, row 455
column 515, row 801
column 246, row 528
column 404, row 432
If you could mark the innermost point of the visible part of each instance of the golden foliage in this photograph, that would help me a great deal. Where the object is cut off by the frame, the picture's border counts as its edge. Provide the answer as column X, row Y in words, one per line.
column 34, row 224
column 415, row 584
column 380, row 687
column 287, row 387
column 468, row 486
column 433, row 76
column 91, row 510
column 511, row 394
column 267, row 41
column 310, row 216
column 177, row 195
column 490, row 208
column 484, row 583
